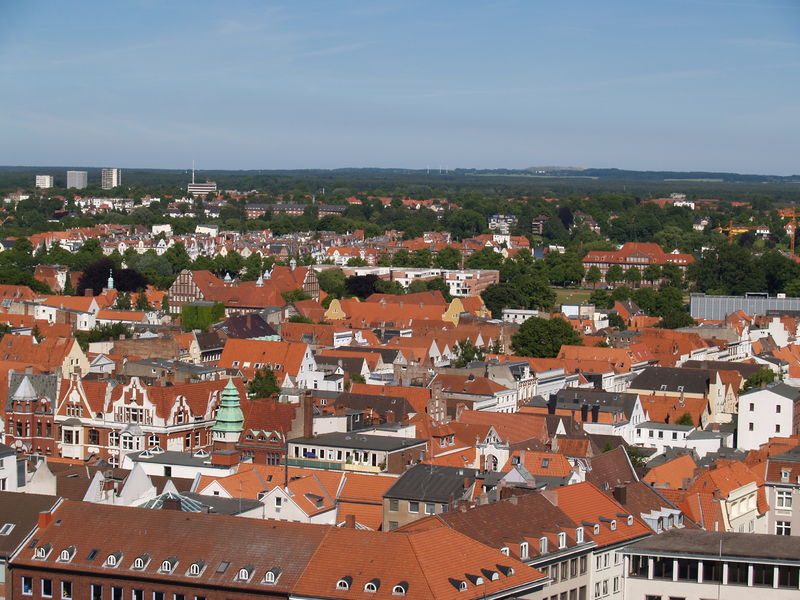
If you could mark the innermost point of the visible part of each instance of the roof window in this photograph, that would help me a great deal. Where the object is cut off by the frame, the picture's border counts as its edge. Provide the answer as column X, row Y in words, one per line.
column 196, row 568
column 562, row 539
column 505, row 570
column 344, row 583
column 245, row 573
column 141, row 561
column 7, row 528
column 67, row 554
column 42, row 551
column 542, row 545
column 400, row 589
column 223, row 566
column 459, row 584
column 373, row 585
column 475, row 579
column 169, row 564
column 112, row 560
column 272, row 575
column 490, row 575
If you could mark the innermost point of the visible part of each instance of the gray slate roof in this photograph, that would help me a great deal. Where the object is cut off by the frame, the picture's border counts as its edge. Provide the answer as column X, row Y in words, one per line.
column 690, row 381
column 386, row 443
column 431, row 483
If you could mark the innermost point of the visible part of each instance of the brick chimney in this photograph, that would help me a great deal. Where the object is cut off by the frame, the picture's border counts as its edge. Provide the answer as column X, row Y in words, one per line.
column 350, row 521
column 45, row 519
column 308, row 415
column 620, row 493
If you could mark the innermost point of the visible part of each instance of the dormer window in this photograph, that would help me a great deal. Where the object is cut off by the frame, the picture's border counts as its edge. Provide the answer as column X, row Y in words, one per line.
column 613, row 525
column 562, row 540
column 475, row 579
column 169, row 564
column 596, row 529
column 504, row 550
column 630, row 520
column 67, row 554
column 542, row 545
column 344, row 583
column 373, row 585
column 112, row 560
column 196, row 568
column 579, row 535
column 507, row 571
column 42, row 551
column 490, row 575
column 785, row 474
column 523, row 550
column 400, row 589
column 272, row 575
column 141, row 561
column 245, row 573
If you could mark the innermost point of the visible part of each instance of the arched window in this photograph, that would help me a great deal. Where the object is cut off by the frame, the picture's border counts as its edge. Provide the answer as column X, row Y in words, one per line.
column 138, row 564
column 400, row 589
column 344, row 583
column 269, row 577
column 613, row 524
column 244, row 574
column 462, row 587
column 166, row 566
column 111, row 560
column 194, row 569
column 64, row 556
column 370, row 587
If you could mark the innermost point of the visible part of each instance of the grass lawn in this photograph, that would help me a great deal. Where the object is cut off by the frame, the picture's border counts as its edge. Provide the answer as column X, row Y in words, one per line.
column 571, row 295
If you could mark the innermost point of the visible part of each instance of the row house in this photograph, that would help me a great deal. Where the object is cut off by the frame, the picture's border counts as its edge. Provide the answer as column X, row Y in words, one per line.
column 108, row 421
column 782, row 486
column 62, row 356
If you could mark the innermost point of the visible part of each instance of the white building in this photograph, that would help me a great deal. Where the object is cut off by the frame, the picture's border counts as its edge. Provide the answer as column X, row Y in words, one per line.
column 77, row 179
column 8, row 469
column 765, row 413
column 110, row 178
column 44, row 181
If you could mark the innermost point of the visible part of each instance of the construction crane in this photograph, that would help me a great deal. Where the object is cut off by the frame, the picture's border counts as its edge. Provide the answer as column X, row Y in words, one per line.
column 732, row 230
column 790, row 213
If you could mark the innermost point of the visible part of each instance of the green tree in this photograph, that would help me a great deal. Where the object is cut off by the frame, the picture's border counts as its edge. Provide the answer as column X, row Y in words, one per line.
column 614, row 275
column 633, row 276
column 601, row 299
column 401, row 258
column 496, row 297
column 263, row 384
column 417, row 286
column 252, row 267
column 331, row 281
column 295, row 295
column 421, row 258
column 384, row 286
column 300, row 319
column 763, row 376
column 165, row 303
column 675, row 320
column 685, row 419
column 448, row 258
column 123, row 301
column 466, row 352
column 543, row 338
column 69, row 289
column 356, row 261
column 593, row 275
column 614, row 320
column 652, row 273
column 141, row 302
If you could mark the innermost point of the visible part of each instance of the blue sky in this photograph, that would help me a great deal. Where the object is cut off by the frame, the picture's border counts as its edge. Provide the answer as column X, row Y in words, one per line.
column 672, row 84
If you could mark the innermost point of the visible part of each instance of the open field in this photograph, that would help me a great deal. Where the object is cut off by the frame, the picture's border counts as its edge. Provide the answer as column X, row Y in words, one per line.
column 571, row 295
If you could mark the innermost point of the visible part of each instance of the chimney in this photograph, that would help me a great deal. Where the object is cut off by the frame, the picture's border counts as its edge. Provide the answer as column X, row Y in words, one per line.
column 350, row 521
column 88, row 293
column 308, row 415
column 171, row 504
column 584, row 413
column 595, row 412
column 620, row 493
column 551, row 404
column 390, row 416
column 45, row 519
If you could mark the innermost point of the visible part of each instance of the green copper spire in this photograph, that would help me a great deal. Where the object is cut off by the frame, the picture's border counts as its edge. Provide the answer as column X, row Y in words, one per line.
column 229, row 416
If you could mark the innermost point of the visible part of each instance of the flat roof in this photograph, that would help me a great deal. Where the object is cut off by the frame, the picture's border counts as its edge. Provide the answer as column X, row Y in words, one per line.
column 688, row 543
column 360, row 441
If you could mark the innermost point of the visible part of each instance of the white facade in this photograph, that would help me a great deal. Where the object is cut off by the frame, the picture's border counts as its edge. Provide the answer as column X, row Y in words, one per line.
column 764, row 413
column 110, row 178
column 44, row 181
column 77, row 179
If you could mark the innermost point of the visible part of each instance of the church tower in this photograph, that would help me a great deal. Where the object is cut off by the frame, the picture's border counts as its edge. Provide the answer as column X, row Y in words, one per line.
column 228, row 427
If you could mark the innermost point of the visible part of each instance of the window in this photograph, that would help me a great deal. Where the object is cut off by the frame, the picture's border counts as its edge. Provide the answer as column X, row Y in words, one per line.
column 413, row 507
column 394, row 505
column 178, row 597
column 137, row 594
column 579, row 535
column 158, row 595
column 562, row 540
column 371, row 586
column 752, row 407
column 400, row 589
column 116, row 593
column 93, row 437
column 573, row 567
column 784, row 499
column 47, row 588
column 66, row 590
column 778, row 408
column 278, row 501
column 583, row 564
column 564, row 570
column 523, row 550
column 27, row 585
column 542, row 545
column 97, row 592
column 7, row 528
column 393, row 525
column 783, row 528
column 430, row 509
column 615, row 587
column 785, row 474
column 344, row 583
column 244, row 574
column 777, row 428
